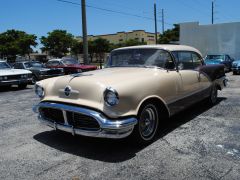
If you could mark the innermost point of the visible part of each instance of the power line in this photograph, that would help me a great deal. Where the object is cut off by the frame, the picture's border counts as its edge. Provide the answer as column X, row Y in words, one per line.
column 113, row 11
column 108, row 10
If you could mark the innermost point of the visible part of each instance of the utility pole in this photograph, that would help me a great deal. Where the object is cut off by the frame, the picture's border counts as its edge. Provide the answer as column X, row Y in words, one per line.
column 212, row 11
column 84, row 33
column 163, row 21
column 155, row 20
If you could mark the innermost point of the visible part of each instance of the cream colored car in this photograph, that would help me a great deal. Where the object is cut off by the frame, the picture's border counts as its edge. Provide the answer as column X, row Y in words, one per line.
column 140, row 86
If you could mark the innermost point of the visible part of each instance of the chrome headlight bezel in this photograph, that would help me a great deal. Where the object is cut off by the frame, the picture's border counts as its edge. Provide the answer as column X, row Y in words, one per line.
column 111, row 97
column 39, row 91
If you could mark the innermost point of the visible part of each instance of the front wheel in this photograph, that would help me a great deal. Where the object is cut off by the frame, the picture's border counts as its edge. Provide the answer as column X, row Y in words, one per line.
column 148, row 121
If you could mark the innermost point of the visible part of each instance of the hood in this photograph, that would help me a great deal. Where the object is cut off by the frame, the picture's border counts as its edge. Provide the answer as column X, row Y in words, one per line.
column 213, row 61
column 7, row 72
column 89, row 86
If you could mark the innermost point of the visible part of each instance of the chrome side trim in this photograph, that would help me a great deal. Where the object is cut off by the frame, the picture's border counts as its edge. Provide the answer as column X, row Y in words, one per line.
column 109, row 128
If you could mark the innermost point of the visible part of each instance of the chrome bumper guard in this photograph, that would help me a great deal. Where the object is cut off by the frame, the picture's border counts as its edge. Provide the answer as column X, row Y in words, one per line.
column 109, row 128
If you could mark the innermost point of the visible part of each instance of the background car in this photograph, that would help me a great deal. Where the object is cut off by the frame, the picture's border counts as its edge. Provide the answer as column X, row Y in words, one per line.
column 224, row 59
column 9, row 76
column 39, row 71
column 236, row 67
column 69, row 65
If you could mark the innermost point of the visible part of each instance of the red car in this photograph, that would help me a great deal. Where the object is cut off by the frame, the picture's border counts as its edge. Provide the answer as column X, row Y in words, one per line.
column 70, row 66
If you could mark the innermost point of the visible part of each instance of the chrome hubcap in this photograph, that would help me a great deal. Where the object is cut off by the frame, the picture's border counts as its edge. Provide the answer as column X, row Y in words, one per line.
column 148, row 122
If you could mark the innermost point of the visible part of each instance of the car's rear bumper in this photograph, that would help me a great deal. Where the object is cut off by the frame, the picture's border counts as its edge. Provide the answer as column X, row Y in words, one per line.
column 222, row 82
column 108, row 128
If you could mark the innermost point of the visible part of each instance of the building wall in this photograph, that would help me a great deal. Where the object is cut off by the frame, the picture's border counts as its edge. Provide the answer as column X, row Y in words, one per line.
column 120, row 37
column 209, row 39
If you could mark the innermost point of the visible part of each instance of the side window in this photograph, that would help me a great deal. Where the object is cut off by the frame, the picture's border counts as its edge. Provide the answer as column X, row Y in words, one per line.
column 197, row 60
column 52, row 63
column 185, row 60
column 18, row 66
column 165, row 60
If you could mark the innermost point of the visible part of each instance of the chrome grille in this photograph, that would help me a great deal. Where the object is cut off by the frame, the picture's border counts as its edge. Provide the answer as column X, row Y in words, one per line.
column 53, row 115
column 82, row 121
column 77, row 120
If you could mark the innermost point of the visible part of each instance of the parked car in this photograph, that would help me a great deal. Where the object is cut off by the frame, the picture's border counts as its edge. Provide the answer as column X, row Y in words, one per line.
column 140, row 87
column 224, row 59
column 9, row 76
column 39, row 71
column 70, row 66
column 236, row 67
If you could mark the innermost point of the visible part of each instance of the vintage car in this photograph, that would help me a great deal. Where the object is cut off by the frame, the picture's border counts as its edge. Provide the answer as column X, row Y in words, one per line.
column 9, row 76
column 69, row 65
column 224, row 59
column 140, row 87
column 236, row 67
column 39, row 71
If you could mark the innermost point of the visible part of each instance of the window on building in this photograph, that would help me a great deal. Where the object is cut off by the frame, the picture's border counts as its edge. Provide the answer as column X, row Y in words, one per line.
column 142, row 39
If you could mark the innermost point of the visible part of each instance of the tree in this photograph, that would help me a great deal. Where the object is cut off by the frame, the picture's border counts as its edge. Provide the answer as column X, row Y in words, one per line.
column 170, row 35
column 101, row 46
column 14, row 42
column 77, row 47
column 58, row 43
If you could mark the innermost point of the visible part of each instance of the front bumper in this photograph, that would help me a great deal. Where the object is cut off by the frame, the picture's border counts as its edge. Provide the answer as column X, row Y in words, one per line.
column 14, row 82
column 109, row 128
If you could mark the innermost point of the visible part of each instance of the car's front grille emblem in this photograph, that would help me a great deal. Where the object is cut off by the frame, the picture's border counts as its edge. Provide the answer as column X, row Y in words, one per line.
column 67, row 90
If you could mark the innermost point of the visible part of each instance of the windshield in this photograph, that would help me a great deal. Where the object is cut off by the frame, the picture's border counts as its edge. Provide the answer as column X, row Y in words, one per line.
column 214, row 57
column 4, row 65
column 33, row 64
column 70, row 61
column 139, row 58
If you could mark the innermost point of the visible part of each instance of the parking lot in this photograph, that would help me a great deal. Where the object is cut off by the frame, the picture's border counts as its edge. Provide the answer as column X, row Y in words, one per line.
column 199, row 143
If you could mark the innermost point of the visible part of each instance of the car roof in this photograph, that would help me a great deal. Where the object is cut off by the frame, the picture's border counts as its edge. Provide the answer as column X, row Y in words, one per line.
column 54, row 60
column 168, row 47
column 27, row 62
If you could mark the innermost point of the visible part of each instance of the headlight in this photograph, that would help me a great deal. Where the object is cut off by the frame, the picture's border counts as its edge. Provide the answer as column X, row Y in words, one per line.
column 24, row 76
column 5, row 77
column 111, row 97
column 39, row 91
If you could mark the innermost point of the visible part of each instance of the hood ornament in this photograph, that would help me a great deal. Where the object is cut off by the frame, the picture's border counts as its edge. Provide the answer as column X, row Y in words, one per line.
column 67, row 90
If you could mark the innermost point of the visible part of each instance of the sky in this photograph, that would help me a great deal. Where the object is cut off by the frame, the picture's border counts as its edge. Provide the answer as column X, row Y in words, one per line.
column 110, row 16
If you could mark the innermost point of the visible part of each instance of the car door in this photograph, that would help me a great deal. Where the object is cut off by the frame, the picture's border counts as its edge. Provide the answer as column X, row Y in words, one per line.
column 188, row 74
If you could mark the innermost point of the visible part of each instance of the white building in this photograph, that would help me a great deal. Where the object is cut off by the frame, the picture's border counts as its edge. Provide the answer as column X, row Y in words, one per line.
column 209, row 39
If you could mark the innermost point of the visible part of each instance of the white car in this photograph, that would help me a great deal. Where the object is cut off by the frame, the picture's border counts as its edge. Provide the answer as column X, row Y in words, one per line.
column 9, row 76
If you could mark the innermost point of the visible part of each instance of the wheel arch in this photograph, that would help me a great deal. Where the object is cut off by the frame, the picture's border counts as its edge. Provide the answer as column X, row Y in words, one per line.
column 161, row 104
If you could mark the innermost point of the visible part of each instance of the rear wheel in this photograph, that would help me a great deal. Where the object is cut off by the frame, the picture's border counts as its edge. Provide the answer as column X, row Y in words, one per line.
column 213, row 95
column 148, row 121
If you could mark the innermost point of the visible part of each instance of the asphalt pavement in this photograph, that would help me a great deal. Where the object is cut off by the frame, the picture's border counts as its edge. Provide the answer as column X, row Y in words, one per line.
column 202, row 142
